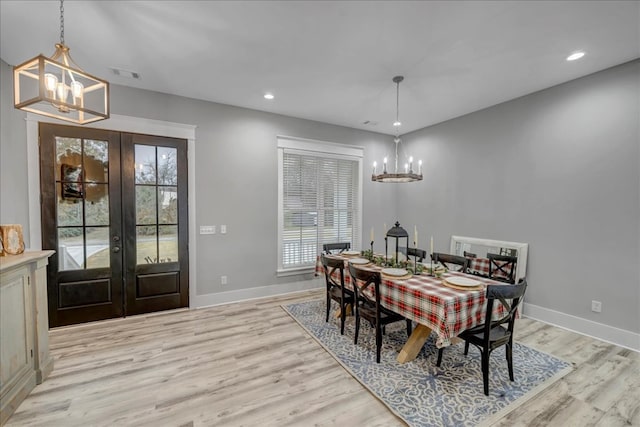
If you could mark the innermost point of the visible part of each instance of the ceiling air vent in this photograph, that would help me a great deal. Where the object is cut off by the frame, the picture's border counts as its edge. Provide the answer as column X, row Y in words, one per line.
column 369, row 123
column 125, row 73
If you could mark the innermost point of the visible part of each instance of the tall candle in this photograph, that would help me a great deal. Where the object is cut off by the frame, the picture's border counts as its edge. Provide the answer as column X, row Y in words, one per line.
column 371, row 234
column 384, row 230
column 415, row 236
column 431, row 245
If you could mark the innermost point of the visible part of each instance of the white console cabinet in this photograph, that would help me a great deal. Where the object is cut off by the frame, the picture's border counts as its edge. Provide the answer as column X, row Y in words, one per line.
column 24, row 328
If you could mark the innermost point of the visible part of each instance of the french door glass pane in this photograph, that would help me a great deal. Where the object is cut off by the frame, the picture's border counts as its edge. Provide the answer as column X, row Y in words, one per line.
column 69, row 211
column 167, row 166
column 168, row 205
column 146, row 204
column 70, row 248
column 96, row 161
column 168, row 243
column 145, row 164
column 97, row 204
column 97, row 247
column 68, row 153
column 146, row 245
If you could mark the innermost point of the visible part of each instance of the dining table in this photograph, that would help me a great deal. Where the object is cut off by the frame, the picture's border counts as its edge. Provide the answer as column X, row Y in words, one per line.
column 430, row 301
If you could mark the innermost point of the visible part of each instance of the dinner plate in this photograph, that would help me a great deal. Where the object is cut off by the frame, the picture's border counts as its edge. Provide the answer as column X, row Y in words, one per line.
column 350, row 253
column 463, row 281
column 359, row 261
column 395, row 272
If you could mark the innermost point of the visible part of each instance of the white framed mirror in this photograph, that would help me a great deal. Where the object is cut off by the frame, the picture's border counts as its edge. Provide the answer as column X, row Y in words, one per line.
column 482, row 247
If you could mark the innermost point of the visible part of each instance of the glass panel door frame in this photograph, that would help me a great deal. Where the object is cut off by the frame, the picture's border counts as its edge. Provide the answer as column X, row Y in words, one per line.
column 122, row 123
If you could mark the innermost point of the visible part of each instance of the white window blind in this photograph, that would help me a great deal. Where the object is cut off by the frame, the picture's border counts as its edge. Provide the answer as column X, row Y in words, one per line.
column 319, row 202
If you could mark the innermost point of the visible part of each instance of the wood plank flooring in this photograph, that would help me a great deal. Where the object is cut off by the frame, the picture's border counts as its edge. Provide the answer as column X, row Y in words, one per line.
column 250, row 364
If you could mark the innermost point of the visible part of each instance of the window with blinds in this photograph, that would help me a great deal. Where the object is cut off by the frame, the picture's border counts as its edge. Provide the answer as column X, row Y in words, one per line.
column 320, row 198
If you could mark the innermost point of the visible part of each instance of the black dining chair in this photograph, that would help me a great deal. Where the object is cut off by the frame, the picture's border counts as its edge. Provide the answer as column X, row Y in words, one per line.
column 329, row 248
column 502, row 267
column 493, row 333
column 366, row 284
column 449, row 261
column 421, row 254
column 469, row 254
column 336, row 291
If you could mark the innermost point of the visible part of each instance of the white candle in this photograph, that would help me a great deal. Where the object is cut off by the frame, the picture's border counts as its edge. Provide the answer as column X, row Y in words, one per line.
column 415, row 236
column 420, row 167
column 384, row 165
column 384, row 230
column 431, row 245
column 406, row 167
column 411, row 164
column 375, row 164
column 371, row 234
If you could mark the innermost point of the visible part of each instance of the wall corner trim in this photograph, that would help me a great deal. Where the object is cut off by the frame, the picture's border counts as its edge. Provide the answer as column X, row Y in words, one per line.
column 219, row 298
column 600, row 331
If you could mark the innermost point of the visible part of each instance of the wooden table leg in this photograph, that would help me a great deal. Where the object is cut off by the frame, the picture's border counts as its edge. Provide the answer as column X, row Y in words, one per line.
column 339, row 312
column 415, row 342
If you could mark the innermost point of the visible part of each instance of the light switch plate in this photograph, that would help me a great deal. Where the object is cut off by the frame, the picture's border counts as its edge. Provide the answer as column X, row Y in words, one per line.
column 207, row 229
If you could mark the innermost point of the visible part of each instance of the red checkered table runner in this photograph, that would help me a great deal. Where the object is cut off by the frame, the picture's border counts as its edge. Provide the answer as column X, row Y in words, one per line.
column 424, row 299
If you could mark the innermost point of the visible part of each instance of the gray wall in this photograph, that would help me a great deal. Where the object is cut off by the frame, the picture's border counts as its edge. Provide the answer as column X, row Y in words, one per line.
column 236, row 178
column 13, row 156
column 558, row 169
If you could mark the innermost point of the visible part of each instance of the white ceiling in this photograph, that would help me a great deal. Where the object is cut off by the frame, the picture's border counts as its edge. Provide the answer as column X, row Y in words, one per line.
column 333, row 61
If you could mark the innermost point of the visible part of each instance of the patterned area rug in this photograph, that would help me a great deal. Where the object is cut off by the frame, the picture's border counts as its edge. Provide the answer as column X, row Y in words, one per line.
column 421, row 393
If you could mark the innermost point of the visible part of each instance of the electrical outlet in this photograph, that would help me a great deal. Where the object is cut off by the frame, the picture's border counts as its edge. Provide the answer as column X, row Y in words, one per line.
column 223, row 229
column 223, row 280
column 596, row 306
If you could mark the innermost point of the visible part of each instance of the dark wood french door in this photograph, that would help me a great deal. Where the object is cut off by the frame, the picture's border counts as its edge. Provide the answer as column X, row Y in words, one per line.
column 114, row 208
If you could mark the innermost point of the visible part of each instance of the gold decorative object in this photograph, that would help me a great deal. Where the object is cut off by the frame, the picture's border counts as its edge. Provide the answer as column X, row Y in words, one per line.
column 12, row 239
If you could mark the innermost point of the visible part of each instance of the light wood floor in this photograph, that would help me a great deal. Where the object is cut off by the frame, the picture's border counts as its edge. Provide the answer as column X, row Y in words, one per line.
column 250, row 364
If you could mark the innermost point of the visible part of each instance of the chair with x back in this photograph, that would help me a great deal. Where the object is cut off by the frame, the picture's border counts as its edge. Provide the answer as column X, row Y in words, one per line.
column 336, row 290
column 493, row 333
column 329, row 248
column 366, row 284
column 421, row 254
column 502, row 267
column 449, row 261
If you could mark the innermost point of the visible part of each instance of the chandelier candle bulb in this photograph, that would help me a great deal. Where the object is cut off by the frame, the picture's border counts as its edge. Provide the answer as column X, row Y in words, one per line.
column 384, row 165
column 406, row 168
column 411, row 164
column 375, row 165
column 371, row 235
column 419, row 167
column 431, row 245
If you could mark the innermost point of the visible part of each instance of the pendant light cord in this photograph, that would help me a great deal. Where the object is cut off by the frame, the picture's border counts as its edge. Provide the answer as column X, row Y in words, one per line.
column 62, row 22
column 398, row 107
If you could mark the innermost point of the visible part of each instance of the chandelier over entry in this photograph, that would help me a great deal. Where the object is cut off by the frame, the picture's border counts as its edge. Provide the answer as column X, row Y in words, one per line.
column 409, row 174
column 56, row 87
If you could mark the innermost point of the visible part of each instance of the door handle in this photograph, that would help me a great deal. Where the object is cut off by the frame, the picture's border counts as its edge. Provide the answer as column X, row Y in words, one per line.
column 116, row 249
column 116, row 238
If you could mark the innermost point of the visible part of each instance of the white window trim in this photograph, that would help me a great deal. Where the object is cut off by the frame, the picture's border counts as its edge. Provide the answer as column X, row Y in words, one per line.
column 328, row 149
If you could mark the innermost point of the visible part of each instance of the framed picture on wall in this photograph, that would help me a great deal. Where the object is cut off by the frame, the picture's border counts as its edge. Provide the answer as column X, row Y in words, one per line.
column 72, row 177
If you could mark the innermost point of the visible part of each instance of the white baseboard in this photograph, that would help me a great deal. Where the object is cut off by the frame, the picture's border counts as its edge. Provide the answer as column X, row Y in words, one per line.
column 209, row 300
column 610, row 334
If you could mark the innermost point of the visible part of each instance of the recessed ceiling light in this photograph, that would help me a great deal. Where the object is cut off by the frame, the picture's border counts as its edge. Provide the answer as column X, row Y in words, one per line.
column 268, row 96
column 575, row 55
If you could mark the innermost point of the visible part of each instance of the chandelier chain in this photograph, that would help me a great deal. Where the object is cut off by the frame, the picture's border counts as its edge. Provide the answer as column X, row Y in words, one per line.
column 397, row 106
column 62, row 22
